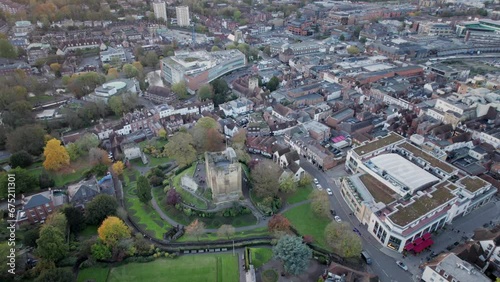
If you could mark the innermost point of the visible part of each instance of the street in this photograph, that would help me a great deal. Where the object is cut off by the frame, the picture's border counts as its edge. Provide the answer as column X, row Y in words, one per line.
column 384, row 259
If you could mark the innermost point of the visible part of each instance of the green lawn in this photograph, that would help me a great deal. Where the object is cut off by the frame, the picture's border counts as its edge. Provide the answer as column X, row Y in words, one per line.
column 186, row 196
column 187, row 268
column 142, row 214
column 300, row 195
column 214, row 222
column 88, row 232
column 207, row 237
column 307, row 223
column 66, row 176
column 97, row 274
column 261, row 256
column 41, row 99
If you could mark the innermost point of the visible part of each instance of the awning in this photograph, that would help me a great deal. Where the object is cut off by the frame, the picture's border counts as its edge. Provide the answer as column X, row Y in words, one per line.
column 409, row 246
column 426, row 236
column 418, row 241
column 425, row 244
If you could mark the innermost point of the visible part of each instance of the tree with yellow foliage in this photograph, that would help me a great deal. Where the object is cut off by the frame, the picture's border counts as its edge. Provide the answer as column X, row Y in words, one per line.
column 118, row 167
column 113, row 230
column 56, row 155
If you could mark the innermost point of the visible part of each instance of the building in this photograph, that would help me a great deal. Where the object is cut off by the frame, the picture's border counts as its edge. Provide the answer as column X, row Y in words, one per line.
column 111, row 54
column 182, row 13
column 79, row 44
column 36, row 208
column 37, row 51
column 22, row 28
column 11, row 7
column 449, row 267
column 200, row 67
column 159, row 94
column 83, row 192
column 8, row 67
column 403, row 193
column 236, row 107
column 160, row 9
column 111, row 88
column 224, row 175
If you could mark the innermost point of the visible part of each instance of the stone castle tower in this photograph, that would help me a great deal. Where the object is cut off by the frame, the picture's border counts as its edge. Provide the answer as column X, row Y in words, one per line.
column 224, row 175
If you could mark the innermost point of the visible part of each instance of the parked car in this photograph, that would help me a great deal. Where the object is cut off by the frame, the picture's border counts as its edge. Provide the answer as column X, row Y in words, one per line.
column 337, row 218
column 402, row 265
column 333, row 212
column 329, row 191
column 366, row 257
column 316, row 181
column 319, row 187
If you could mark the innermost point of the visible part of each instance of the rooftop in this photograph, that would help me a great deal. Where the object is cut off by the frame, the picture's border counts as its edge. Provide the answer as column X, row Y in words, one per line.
column 473, row 184
column 378, row 144
column 458, row 269
column 422, row 205
column 426, row 157
column 379, row 191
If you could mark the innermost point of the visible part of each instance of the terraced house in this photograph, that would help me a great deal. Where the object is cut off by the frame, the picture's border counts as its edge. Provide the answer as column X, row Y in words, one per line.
column 402, row 193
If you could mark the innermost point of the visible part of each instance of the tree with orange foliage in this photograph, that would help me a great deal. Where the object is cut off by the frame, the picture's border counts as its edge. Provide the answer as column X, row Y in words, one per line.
column 196, row 228
column 56, row 155
column 278, row 223
column 113, row 230
column 118, row 167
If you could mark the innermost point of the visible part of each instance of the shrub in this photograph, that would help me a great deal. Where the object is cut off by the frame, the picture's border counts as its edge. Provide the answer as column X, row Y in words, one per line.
column 22, row 159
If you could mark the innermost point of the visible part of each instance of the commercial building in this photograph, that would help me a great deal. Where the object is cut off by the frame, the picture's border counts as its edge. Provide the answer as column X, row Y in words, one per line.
column 403, row 193
column 182, row 13
column 200, row 67
column 160, row 10
column 112, row 88
column 449, row 267
column 113, row 53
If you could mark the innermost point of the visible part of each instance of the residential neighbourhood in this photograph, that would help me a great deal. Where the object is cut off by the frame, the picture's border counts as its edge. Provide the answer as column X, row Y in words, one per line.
column 254, row 140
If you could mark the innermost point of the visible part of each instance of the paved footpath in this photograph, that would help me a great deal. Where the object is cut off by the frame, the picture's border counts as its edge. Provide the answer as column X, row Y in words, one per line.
column 260, row 223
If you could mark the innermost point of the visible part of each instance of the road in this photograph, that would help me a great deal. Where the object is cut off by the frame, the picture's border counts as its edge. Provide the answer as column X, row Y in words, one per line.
column 383, row 265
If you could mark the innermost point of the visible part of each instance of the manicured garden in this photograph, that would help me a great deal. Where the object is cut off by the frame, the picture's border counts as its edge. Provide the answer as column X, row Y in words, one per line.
column 307, row 223
column 187, row 268
column 261, row 256
column 142, row 214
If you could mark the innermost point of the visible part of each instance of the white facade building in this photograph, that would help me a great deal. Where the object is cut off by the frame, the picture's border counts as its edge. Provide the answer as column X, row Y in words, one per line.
column 449, row 267
column 160, row 10
column 182, row 13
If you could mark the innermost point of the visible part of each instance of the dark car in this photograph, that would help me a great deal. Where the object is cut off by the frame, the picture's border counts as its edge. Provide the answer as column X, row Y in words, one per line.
column 333, row 212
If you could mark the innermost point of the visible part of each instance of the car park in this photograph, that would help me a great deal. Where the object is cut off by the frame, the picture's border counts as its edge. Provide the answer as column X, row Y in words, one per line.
column 329, row 191
column 402, row 265
column 337, row 218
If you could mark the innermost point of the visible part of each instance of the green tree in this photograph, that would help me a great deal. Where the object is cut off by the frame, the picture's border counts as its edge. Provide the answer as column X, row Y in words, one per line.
column 21, row 159
column 294, row 254
column 30, row 237
column 205, row 135
column 265, row 178
column 51, row 244
column 99, row 208
column 59, row 221
column 87, row 142
column 305, row 181
column 130, row 71
column 206, row 92
column 73, row 151
column 151, row 59
column 352, row 50
column 143, row 189
column 180, row 148
column 288, row 185
column 342, row 37
column 7, row 50
column 340, row 237
column 30, row 138
column 221, row 91
column 273, row 83
column 320, row 203
column 215, row 48
column 180, row 89
column 75, row 218
column 26, row 182
column 100, row 251
column 236, row 15
column 267, row 50
column 83, row 84
column 56, row 275
column 18, row 114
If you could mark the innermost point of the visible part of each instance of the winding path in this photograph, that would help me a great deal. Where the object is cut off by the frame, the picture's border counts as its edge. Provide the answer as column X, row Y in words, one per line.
column 260, row 223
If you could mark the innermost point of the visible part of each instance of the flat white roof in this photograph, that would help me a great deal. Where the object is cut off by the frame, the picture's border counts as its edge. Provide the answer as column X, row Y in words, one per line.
column 404, row 171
